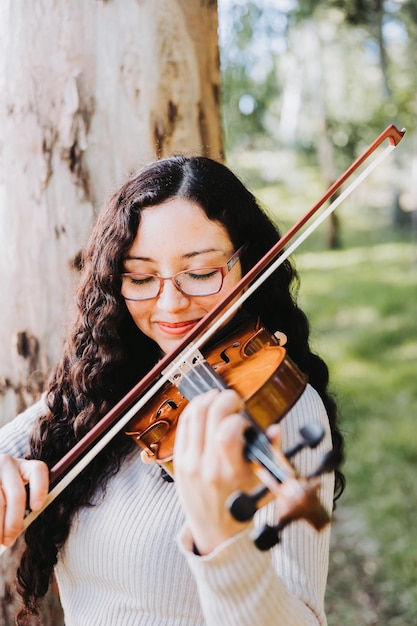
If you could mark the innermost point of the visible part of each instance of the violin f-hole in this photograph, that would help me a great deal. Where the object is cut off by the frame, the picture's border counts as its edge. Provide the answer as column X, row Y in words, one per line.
column 223, row 354
column 168, row 402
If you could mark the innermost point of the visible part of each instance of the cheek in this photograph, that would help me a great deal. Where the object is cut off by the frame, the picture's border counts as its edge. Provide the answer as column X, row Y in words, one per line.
column 230, row 281
column 209, row 302
column 214, row 301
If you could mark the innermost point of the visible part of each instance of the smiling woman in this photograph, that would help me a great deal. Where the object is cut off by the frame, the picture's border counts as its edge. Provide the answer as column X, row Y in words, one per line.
column 167, row 246
column 204, row 245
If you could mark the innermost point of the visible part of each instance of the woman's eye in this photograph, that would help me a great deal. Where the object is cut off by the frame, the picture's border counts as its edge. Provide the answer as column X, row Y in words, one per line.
column 202, row 274
column 141, row 280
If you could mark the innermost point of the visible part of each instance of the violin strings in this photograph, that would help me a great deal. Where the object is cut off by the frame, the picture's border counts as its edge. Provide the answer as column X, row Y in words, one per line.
column 201, row 378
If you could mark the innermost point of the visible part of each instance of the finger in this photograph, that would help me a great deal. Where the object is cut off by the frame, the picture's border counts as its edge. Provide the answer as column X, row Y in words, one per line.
column 36, row 475
column 229, row 439
column 190, row 433
column 3, row 539
column 274, row 434
column 12, row 501
column 226, row 404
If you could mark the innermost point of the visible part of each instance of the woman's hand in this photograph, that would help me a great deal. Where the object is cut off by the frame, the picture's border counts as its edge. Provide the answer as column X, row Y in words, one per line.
column 209, row 465
column 15, row 474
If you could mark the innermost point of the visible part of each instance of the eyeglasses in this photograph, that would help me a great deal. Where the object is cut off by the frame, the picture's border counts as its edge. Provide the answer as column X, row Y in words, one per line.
column 202, row 281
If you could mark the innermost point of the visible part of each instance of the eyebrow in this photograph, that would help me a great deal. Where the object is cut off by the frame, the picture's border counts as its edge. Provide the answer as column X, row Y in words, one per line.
column 187, row 255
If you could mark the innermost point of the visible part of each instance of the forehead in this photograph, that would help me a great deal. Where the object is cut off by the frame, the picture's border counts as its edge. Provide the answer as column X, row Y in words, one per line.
column 178, row 225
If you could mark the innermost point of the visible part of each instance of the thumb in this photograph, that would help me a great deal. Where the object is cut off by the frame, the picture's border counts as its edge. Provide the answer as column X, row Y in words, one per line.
column 36, row 475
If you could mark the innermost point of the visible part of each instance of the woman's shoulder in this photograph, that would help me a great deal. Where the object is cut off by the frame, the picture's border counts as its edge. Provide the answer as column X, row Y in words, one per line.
column 310, row 404
column 14, row 436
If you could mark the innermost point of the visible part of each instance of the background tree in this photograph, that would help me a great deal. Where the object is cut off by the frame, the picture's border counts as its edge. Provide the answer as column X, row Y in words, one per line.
column 317, row 81
column 90, row 91
column 288, row 66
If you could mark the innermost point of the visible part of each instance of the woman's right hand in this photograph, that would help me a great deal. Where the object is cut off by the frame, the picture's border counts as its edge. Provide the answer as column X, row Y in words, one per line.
column 15, row 474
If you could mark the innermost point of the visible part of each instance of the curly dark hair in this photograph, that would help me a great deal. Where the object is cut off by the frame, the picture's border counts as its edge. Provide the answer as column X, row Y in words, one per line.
column 106, row 354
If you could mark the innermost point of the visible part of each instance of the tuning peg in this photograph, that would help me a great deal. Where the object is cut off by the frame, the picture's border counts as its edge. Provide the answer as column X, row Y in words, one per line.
column 243, row 505
column 329, row 462
column 311, row 435
column 267, row 536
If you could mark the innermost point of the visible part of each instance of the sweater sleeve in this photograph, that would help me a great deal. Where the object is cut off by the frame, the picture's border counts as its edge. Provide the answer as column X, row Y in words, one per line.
column 238, row 584
column 14, row 436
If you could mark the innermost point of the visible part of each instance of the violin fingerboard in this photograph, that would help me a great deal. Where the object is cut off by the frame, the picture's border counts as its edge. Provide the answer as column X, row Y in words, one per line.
column 200, row 379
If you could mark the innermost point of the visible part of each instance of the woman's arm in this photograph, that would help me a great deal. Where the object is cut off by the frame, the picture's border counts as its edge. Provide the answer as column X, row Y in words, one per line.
column 239, row 584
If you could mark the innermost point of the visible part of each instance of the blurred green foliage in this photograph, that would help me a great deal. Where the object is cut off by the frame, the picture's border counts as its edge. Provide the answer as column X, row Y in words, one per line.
column 294, row 71
column 307, row 85
column 362, row 304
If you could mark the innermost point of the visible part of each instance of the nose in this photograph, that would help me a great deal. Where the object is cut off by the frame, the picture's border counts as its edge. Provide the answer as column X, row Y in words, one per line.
column 171, row 299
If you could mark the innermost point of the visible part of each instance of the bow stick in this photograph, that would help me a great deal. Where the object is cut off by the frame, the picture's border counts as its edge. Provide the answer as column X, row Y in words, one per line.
column 120, row 415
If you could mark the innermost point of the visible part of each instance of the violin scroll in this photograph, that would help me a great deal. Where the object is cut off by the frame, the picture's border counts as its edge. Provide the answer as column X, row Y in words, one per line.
column 296, row 497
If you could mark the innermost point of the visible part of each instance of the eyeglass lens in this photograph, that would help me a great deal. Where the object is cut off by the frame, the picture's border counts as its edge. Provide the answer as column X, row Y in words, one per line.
column 199, row 282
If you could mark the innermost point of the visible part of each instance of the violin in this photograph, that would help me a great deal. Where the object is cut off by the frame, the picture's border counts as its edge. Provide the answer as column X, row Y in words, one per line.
column 254, row 363
column 249, row 360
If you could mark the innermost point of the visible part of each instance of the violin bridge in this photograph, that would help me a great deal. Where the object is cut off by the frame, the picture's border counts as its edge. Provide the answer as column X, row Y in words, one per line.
column 182, row 365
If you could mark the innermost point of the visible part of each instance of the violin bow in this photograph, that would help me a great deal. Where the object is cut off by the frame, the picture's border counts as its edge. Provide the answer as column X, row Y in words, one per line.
column 87, row 448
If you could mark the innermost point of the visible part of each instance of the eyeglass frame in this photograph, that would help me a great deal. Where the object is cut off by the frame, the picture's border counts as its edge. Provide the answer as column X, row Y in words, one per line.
column 223, row 269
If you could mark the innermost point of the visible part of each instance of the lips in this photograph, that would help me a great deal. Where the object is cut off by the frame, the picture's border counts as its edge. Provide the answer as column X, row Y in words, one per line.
column 177, row 328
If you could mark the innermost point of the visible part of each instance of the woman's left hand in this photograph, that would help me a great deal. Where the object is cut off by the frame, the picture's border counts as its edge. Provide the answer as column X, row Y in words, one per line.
column 209, row 466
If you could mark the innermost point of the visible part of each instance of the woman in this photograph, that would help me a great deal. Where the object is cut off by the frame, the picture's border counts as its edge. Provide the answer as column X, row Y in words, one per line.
column 128, row 547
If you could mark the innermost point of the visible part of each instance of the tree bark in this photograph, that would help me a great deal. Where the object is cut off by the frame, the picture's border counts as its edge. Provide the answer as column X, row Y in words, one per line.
column 91, row 90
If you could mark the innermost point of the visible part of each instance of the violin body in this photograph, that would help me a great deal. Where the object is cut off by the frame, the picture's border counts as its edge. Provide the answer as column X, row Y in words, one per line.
column 251, row 362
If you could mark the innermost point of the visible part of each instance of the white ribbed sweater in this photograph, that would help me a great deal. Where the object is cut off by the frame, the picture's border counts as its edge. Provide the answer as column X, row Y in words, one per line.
column 127, row 561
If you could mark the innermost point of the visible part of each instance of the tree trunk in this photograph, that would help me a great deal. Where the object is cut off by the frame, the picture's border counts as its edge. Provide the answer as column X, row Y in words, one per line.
column 324, row 145
column 91, row 90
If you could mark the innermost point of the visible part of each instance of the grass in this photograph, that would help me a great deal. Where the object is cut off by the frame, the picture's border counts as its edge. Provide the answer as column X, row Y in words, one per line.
column 362, row 303
column 363, row 307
